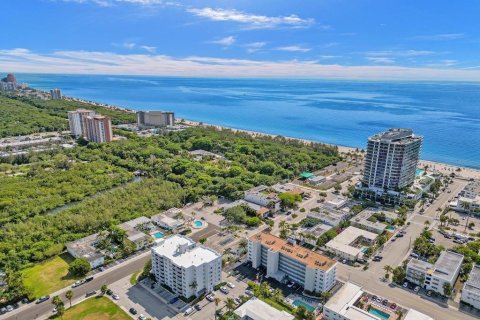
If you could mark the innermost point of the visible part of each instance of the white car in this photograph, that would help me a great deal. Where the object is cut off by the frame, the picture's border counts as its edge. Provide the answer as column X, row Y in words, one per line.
column 231, row 285
column 115, row 297
column 141, row 317
column 210, row 297
column 405, row 284
column 224, row 290
column 189, row 311
column 417, row 288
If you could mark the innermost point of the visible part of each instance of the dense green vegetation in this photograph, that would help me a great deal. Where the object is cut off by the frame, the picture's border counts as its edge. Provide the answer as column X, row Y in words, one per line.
column 51, row 184
column 242, row 214
column 49, row 180
column 21, row 116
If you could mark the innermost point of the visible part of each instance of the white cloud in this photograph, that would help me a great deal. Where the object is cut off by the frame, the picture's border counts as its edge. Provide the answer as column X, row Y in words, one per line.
column 328, row 57
column 227, row 41
column 383, row 60
column 400, row 53
column 129, row 45
column 255, row 46
column 294, row 48
column 443, row 63
column 252, row 21
column 149, row 48
column 77, row 62
column 441, row 36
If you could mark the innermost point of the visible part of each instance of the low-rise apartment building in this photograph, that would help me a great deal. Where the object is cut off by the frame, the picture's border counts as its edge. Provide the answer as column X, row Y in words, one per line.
column 256, row 309
column 185, row 267
column 285, row 260
column 434, row 276
column 348, row 303
column 351, row 243
column 85, row 248
column 367, row 220
column 469, row 198
column 135, row 231
column 471, row 288
column 262, row 196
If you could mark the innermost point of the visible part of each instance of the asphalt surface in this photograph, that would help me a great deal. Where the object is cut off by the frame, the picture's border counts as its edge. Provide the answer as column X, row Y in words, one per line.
column 43, row 310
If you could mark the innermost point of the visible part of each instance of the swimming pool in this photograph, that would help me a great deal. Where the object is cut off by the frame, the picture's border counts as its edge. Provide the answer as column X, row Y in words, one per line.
column 298, row 303
column 158, row 235
column 382, row 315
column 419, row 172
column 197, row 224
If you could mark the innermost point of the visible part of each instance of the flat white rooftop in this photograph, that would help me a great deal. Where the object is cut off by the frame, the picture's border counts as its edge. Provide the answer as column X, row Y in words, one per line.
column 256, row 309
column 343, row 240
column 184, row 252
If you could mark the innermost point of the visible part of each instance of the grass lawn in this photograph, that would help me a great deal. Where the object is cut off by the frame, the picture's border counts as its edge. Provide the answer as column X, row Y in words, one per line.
column 49, row 276
column 98, row 308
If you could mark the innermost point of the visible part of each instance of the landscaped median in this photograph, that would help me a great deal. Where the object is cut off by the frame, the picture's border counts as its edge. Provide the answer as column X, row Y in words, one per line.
column 98, row 308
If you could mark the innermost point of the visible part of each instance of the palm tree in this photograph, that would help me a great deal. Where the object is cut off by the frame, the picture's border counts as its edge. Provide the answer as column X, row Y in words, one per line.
column 230, row 304
column 265, row 289
column 56, row 301
column 217, row 302
column 277, row 295
column 388, row 269
column 69, row 296
column 61, row 310
column 194, row 285
column 104, row 289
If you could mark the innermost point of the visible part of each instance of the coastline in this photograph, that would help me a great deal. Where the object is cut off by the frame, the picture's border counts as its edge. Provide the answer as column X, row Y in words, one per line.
column 444, row 168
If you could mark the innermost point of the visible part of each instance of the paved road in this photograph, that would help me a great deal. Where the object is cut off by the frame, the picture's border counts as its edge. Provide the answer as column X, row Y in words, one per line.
column 39, row 311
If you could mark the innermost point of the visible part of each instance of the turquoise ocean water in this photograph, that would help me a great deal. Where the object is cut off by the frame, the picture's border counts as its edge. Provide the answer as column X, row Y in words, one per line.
column 342, row 112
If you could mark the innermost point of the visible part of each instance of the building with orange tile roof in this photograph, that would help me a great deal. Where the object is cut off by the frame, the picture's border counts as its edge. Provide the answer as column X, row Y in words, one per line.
column 285, row 260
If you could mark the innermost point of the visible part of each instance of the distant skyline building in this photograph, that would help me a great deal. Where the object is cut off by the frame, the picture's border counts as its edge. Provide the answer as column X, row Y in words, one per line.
column 76, row 121
column 10, row 78
column 146, row 119
column 87, row 124
column 392, row 159
column 9, row 83
column 98, row 129
column 185, row 267
column 56, row 94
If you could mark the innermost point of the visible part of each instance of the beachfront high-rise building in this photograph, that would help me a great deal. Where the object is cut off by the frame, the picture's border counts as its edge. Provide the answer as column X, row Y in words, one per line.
column 56, row 94
column 186, row 268
column 391, row 159
column 147, row 119
column 76, row 121
column 10, row 78
column 285, row 260
column 98, row 128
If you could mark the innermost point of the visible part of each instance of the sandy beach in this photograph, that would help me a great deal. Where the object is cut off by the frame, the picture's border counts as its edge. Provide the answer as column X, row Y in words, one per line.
column 446, row 169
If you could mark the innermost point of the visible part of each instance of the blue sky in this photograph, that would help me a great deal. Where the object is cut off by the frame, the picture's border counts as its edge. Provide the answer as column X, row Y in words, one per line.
column 394, row 39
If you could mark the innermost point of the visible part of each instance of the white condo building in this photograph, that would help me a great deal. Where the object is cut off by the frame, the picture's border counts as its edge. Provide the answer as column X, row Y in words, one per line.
column 285, row 260
column 185, row 267
column 433, row 277
column 471, row 288
column 262, row 196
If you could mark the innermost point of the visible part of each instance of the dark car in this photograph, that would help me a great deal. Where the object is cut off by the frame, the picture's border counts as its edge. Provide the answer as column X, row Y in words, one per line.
column 88, row 279
column 109, row 292
column 198, row 307
column 133, row 311
column 91, row 293
column 42, row 299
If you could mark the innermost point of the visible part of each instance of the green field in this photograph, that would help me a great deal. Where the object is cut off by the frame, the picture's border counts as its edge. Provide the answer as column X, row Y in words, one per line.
column 98, row 308
column 49, row 276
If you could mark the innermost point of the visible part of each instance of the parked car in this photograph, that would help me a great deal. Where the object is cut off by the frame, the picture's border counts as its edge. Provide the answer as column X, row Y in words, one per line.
column 109, row 292
column 393, row 306
column 42, row 299
column 133, row 311
column 91, row 293
column 405, row 284
column 385, row 302
column 224, row 290
column 414, row 255
column 9, row 308
column 249, row 293
column 77, row 283
column 237, row 301
column 141, row 317
column 3, row 310
column 429, row 293
column 189, row 311
column 374, row 298
column 231, row 285
column 198, row 307
column 417, row 288
column 210, row 297
column 88, row 279
column 115, row 297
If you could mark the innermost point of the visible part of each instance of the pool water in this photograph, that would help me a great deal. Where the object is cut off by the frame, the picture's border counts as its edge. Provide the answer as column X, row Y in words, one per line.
column 382, row 315
column 419, row 172
column 298, row 303
column 390, row 228
column 364, row 249
column 198, row 224
column 158, row 235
